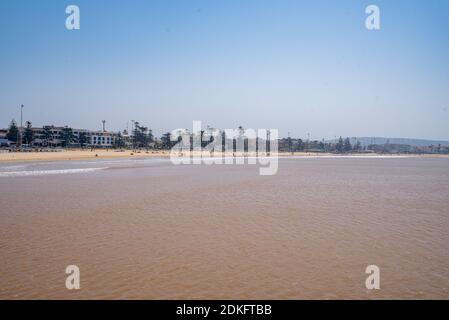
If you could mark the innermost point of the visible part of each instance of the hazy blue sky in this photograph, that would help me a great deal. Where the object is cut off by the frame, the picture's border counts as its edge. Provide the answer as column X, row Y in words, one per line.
column 300, row 66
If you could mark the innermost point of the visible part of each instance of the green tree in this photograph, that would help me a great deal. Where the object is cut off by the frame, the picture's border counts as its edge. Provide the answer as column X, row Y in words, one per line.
column 321, row 145
column 119, row 142
column 347, row 147
column 223, row 141
column 47, row 135
column 142, row 136
column 300, row 145
column 339, row 147
column 166, row 141
column 13, row 131
column 28, row 133
column 67, row 136
column 83, row 139
column 150, row 137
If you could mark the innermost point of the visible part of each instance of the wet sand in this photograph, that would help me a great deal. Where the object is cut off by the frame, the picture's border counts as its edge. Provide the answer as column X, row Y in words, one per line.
column 115, row 154
column 76, row 155
column 146, row 229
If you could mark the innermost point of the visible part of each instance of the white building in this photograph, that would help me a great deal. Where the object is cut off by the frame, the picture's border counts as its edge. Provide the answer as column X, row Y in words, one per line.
column 103, row 139
column 52, row 136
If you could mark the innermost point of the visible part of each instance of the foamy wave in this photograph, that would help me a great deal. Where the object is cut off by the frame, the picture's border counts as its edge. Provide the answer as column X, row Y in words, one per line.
column 47, row 172
column 9, row 168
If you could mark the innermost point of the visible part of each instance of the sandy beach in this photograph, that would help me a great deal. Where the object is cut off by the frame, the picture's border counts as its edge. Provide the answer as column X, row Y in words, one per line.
column 78, row 154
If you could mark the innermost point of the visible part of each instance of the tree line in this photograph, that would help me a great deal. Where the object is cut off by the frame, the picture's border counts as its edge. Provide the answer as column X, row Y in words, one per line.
column 340, row 146
column 142, row 137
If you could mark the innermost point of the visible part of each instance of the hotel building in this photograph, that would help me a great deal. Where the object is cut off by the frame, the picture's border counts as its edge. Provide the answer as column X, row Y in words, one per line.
column 92, row 138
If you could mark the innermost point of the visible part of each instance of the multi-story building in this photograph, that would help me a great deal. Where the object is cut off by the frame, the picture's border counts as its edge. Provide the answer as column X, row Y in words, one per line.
column 3, row 133
column 4, row 142
column 52, row 136
column 102, row 138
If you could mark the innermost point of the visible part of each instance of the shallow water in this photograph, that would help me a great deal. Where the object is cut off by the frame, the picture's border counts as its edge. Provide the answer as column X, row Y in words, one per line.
column 147, row 229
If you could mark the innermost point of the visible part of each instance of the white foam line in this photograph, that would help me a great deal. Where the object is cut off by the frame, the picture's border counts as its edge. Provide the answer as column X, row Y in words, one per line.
column 47, row 172
column 9, row 168
column 121, row 161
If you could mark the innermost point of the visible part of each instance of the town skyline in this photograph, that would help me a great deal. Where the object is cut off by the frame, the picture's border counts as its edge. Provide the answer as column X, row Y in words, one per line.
column 257, row 64
column 364, row 140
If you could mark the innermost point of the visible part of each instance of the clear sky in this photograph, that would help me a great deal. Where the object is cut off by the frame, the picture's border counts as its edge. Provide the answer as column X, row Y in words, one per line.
column 299, row 66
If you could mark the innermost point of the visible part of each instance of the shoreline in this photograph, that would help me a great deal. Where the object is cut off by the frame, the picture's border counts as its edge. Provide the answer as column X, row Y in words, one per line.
column 78, row 154
column 73, row 155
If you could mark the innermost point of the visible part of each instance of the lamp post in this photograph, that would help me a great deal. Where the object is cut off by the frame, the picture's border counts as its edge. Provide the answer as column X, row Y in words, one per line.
column 19, row 136
column 132, row 133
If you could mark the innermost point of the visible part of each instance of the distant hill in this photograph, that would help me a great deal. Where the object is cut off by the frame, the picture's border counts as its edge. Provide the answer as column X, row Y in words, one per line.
column 413, row 142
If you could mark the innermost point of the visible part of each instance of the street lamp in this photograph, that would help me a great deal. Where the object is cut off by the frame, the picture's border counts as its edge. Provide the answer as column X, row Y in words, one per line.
column 19, row 136
column 132, row 133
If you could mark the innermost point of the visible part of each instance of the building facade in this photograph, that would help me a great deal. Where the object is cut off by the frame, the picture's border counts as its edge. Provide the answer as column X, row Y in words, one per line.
column 53, row 136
